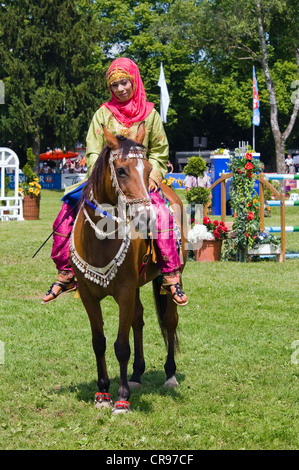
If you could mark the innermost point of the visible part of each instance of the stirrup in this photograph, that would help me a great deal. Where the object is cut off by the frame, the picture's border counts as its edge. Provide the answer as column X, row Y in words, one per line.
column 178, row 292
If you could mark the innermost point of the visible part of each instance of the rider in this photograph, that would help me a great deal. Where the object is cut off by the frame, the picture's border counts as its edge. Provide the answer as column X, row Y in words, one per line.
column 122, row 115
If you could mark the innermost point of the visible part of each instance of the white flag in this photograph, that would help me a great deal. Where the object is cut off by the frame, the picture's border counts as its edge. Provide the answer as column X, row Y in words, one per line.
column 164, row 95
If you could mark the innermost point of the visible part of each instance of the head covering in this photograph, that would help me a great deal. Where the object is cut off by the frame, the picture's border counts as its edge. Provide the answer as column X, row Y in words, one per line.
column 136, row 109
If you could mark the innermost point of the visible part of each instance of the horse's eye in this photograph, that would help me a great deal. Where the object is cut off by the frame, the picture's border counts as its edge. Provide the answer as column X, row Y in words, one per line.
column 120, row 171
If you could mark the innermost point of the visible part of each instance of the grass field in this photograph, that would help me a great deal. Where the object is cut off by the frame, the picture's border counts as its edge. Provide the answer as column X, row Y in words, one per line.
column 238, row 369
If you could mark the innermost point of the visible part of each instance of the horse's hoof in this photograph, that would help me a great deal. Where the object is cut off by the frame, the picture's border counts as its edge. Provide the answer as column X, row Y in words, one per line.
column 121, row 407
column 172, row 382
column 103, row 400
column 134, row 384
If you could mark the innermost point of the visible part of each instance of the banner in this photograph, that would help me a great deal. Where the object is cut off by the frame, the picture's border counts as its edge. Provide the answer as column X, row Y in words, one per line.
column 164, row 95
column 256, row 119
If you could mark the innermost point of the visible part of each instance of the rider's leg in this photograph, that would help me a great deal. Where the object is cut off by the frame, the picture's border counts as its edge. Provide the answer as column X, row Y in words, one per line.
column 167, row 250
column 60, row 254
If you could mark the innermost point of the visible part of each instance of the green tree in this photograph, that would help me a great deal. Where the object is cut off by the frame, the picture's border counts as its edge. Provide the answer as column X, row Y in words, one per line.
column 52, row 71
column 262, row 32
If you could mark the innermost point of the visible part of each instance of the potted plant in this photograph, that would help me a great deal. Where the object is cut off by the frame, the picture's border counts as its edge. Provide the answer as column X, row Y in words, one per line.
column 30, row 189
column 207, row 238
column 196, row 194
column 265, row 244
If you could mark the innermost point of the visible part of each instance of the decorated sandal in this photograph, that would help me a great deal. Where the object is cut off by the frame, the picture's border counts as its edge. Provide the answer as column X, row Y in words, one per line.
column 64, row 287
column 178, row 292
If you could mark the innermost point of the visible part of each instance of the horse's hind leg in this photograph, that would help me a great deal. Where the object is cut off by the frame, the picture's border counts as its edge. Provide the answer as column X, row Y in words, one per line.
column 170, row 323
column 137, row 325
column 93, row 308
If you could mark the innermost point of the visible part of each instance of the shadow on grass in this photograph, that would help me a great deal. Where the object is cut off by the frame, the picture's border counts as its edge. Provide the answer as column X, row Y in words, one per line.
column 152, row 385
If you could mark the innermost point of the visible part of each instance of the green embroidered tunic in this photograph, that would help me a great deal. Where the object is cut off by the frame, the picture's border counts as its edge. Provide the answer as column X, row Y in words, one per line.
column 155, row 140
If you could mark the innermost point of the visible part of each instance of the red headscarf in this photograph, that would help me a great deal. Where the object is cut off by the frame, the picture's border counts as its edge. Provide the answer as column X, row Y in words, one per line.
column 136, row 109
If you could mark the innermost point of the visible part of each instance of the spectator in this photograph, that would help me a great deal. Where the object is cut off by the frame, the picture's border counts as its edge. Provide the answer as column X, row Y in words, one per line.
column 288, row 162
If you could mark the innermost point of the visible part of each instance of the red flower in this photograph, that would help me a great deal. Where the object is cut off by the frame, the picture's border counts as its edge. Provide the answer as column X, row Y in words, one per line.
column 207, row 220
column 248, row 156
column 216, row 223
column 249, row 166
column 250, row 215
column 216, row 234
column 249, row 174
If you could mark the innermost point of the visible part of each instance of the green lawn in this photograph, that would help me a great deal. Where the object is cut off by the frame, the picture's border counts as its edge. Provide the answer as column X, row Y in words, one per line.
column 238, row 369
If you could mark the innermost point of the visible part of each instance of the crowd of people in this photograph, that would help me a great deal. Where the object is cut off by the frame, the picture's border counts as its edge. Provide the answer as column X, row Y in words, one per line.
column 291, row 166
column 70, row 166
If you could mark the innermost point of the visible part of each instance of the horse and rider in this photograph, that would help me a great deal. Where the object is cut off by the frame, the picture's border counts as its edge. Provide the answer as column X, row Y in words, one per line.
column 126, row 156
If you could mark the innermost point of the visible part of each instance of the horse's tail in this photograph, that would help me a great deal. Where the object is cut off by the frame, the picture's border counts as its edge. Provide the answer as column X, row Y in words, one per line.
column 161, row 306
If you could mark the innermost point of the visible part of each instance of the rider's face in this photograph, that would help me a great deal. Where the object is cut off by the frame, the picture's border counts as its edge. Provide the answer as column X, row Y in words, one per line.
column 122, row 89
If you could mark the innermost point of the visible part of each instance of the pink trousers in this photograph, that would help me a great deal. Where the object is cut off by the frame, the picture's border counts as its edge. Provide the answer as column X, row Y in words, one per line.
column 168, row 256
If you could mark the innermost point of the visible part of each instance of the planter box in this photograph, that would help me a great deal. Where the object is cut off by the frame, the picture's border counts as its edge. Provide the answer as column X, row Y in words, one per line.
column 209, row 251
column 31, row 207
column 266, row 249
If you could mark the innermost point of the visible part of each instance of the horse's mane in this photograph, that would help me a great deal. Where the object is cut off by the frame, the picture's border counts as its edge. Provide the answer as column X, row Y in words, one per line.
column 97, row 176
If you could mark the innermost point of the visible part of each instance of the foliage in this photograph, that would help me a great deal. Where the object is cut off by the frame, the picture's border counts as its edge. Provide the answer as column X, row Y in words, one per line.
column 198, row 195
column 196, row 166
column 30, row 186
column 51, row 70
column 244, row 202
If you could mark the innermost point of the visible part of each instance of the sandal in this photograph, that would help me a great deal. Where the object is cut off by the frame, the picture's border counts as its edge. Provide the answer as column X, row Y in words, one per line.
column 64, row 287
column 178, row 292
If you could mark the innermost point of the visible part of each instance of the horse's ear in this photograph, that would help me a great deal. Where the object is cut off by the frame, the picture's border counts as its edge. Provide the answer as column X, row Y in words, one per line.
column 140, row 133
column 110, row 138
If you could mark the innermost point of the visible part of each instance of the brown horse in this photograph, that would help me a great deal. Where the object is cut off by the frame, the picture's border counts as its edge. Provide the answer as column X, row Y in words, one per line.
column 109, row 261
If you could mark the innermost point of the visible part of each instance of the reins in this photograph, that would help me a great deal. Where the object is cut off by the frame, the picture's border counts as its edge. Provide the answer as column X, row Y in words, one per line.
column 103, row 276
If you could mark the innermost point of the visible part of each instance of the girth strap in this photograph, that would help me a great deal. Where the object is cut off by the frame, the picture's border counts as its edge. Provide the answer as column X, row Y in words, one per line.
column 150, row 254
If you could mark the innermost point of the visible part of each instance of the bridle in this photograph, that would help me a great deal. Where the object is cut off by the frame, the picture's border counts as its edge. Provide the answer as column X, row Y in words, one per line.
column 139, row 153
column 103, row 276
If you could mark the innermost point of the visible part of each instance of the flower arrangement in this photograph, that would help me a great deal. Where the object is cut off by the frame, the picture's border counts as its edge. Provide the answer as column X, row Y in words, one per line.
column 221, row 151
column 208, row 230
column 245, row 205
column 170, row 180
column 266, row 238
column 30, row 187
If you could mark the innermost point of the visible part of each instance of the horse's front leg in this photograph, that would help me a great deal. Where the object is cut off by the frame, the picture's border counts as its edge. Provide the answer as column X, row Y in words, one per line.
column 137, row 325
column 93, row 309
column 126, row 302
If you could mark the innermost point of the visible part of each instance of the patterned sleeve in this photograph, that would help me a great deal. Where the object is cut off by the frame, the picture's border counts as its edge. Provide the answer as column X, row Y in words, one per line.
column 158, row 149
column 95, row 140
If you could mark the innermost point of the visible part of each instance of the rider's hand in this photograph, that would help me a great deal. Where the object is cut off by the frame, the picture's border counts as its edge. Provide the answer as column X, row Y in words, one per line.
column 153, row 186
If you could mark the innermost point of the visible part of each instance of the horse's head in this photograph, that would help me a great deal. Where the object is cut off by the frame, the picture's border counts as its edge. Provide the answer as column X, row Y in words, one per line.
column 129, row 168
column 121, row 177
